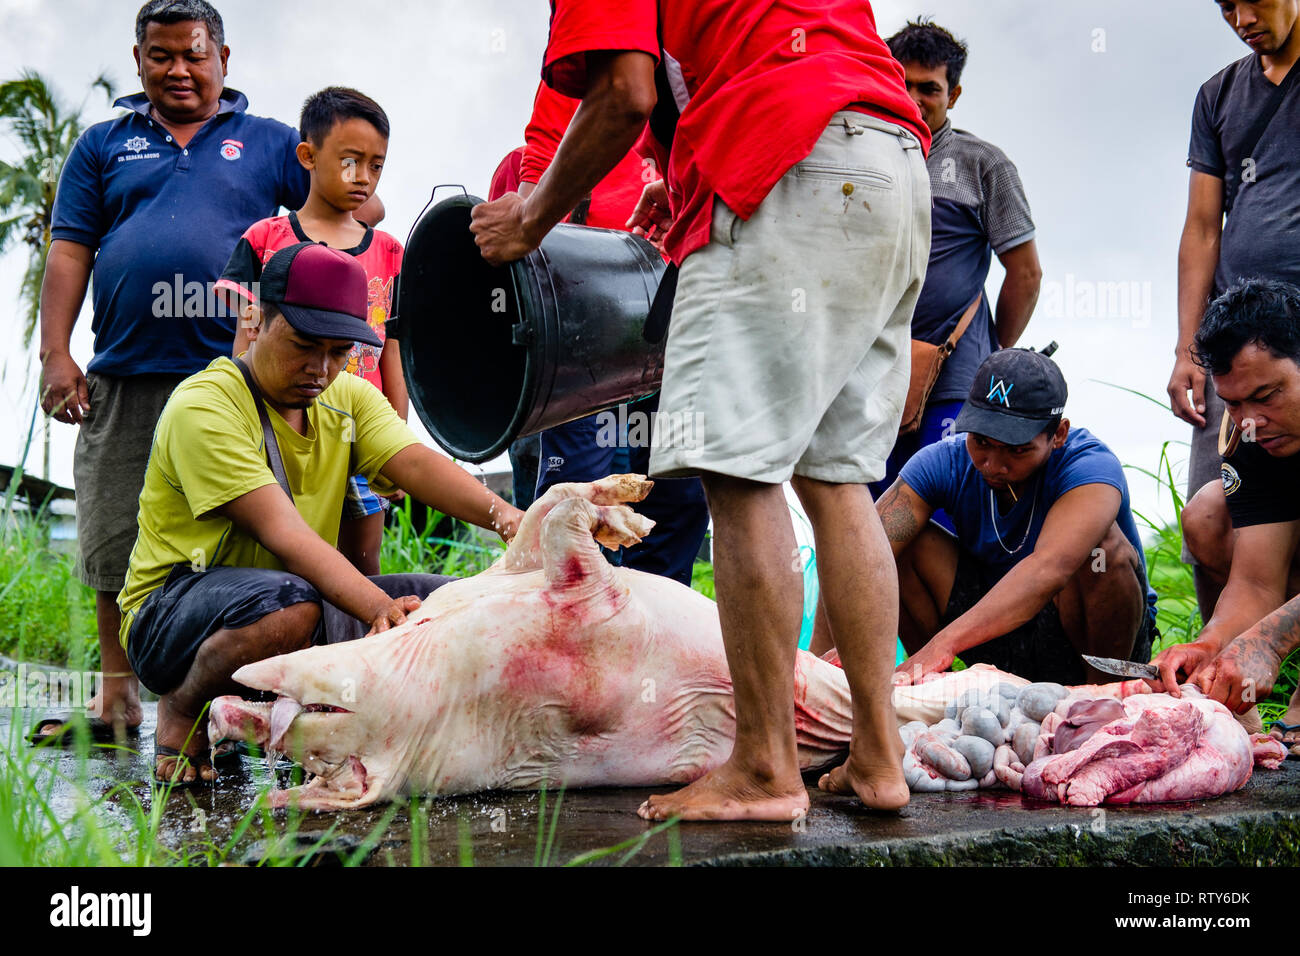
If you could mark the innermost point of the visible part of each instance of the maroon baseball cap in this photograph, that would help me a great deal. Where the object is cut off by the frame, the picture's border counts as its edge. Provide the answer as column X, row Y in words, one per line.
column 320, row 291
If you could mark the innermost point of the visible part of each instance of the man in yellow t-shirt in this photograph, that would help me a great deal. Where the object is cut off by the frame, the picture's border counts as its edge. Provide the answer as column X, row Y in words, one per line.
column 227, row 569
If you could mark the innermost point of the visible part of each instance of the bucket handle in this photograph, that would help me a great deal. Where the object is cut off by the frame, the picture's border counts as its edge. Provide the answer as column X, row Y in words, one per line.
column 392, row 327
column 433, row 193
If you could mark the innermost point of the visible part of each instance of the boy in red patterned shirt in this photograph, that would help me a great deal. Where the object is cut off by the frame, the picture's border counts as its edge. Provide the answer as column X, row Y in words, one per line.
column 344, row 142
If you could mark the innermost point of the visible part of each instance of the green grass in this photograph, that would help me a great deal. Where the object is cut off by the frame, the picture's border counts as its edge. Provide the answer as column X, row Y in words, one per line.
column 404, row 550
column 46, row 613
column 702, row 579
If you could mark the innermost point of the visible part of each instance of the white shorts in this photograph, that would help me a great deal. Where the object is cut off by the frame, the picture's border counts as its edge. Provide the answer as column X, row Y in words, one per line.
column 789, row 348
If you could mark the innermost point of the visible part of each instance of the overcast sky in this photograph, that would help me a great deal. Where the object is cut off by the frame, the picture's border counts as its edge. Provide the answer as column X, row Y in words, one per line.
column 1091, row 100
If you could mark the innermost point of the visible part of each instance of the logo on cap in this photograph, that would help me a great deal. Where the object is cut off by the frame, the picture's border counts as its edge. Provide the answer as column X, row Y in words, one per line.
column 1000, row 392
column 230, row 149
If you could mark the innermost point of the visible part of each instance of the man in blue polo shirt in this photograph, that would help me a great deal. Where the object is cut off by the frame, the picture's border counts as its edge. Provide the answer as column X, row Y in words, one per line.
column 1046, row 564
column 151, row 203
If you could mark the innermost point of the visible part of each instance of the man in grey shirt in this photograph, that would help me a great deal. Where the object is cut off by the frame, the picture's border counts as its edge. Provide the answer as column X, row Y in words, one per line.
column 1256, row 187
column 979, row 210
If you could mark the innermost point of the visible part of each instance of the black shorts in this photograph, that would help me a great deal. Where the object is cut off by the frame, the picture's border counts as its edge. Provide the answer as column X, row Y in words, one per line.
column 1037, row 650
column 190, row 606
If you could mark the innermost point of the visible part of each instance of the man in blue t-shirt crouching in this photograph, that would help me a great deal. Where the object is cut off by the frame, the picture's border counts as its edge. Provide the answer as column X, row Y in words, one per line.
column 1046, row 564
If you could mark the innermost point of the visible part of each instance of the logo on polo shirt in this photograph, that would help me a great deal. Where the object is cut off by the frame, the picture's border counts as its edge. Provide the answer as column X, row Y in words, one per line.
column 231, row 149
column 135, row 147
column 1000, row 392
column 1231, row 480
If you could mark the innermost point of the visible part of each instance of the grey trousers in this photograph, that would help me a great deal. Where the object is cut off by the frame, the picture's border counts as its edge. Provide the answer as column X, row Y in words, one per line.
column 1205, row 461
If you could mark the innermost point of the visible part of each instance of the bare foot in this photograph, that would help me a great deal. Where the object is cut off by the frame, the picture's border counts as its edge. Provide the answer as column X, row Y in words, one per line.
column 879, row 786
column 179, row 732
column 728, row 793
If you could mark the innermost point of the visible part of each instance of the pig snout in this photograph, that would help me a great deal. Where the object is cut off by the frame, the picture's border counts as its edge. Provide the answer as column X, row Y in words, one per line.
column 232, row 718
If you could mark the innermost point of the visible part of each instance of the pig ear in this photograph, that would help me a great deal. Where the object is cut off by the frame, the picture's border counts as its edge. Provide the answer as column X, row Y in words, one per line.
column 263, row 675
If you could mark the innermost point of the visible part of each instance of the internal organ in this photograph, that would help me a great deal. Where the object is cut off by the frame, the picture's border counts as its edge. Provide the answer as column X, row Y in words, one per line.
column 1160, row 749
column 1085, row 746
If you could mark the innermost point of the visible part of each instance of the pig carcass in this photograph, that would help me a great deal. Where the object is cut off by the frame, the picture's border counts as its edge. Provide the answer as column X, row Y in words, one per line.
column 552, row 667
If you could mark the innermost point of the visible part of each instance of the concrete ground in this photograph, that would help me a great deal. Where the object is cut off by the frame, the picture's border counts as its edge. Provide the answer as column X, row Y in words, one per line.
column 1259, row 824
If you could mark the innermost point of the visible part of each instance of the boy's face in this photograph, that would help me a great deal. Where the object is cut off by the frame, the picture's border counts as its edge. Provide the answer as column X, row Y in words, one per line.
column 346, row 165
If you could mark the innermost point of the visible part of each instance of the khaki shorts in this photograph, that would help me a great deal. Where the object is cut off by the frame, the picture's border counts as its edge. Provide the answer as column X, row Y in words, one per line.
column 108, row 465
column 789, row 349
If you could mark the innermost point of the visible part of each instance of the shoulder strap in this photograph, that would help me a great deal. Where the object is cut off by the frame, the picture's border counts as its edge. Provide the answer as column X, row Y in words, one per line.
column 268, row 434
column 1229, row 437
column 1262, row 121
column 963, row 323
column 1270, row 109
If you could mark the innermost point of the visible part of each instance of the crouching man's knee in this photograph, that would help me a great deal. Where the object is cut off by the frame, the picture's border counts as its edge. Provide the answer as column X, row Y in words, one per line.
column 1207, row 528
column 1113, row 563
column 293, row 628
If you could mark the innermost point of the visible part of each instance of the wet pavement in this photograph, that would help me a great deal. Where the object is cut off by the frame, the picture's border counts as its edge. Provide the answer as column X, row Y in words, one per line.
column 1258, row 825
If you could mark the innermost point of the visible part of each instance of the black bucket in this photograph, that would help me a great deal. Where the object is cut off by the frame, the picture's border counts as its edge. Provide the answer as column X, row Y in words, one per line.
column 492, row 353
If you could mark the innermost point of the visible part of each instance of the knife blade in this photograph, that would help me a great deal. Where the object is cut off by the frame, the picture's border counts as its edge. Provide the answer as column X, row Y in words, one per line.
column 1110, row 665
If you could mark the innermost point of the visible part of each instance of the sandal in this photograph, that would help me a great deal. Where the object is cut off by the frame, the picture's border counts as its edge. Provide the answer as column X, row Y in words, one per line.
column 59, row 728
column 1292, row 748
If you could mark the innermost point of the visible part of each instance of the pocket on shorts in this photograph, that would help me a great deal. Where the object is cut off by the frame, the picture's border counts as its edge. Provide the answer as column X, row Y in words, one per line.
column 859, row 175
column 93, row 389
column 725, row 229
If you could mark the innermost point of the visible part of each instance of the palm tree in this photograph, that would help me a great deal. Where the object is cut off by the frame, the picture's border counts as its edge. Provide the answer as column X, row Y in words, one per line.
column 45, row 132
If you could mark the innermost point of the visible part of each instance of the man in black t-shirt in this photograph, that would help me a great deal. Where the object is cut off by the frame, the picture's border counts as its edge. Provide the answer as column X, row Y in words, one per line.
column 1245, row 532
column 1257, row 187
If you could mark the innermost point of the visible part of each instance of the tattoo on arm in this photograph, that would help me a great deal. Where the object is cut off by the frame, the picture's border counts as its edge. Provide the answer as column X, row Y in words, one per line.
column 896, row 516
column 1281, row 629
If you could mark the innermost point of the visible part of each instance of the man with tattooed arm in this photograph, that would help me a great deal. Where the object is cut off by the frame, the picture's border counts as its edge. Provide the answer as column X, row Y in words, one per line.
column 1244, row 529
column 1046, row 564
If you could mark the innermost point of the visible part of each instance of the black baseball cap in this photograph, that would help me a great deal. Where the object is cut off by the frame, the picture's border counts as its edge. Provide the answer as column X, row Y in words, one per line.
column 1017, row 392
column 320, row 291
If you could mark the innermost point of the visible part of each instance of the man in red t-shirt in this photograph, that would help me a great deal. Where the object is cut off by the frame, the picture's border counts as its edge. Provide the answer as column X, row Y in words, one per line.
column 581, row 450
column 797, row 205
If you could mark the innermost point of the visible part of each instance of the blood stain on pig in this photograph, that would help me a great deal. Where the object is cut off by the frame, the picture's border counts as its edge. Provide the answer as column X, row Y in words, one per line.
column 558, row 665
